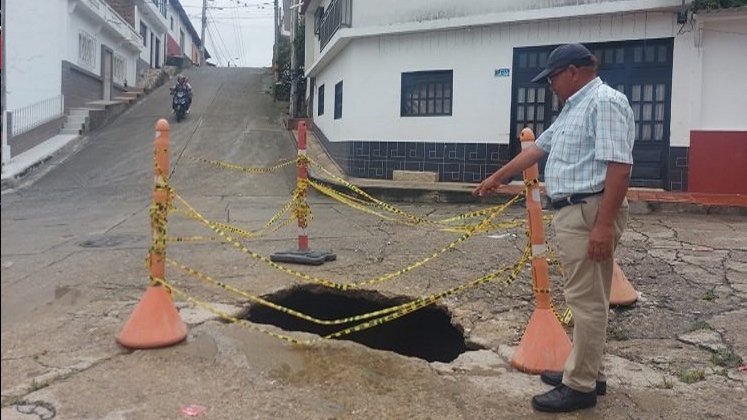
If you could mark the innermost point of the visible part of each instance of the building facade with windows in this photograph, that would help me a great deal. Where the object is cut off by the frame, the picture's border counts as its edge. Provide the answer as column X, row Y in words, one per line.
column 443, row 86
column 87, row 51
column 151, row 20
column 182, row 41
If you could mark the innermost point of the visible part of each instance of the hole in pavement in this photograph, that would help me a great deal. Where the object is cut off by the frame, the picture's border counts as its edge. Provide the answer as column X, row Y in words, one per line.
column 426, row 333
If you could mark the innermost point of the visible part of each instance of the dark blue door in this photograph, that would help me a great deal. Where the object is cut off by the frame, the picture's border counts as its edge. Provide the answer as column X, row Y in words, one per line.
column 640, row 69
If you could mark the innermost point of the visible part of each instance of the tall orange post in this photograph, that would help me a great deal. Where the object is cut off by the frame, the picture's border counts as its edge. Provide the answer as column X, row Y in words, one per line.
column 545, row 345
column 155, row 322
column 302, row 175
column 304, row 254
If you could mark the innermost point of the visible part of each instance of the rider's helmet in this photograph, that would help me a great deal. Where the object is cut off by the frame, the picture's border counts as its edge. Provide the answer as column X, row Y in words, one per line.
column 181, row 79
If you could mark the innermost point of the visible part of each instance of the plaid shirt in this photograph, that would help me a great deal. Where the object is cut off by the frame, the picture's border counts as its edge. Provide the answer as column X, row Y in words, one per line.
column 596, row 126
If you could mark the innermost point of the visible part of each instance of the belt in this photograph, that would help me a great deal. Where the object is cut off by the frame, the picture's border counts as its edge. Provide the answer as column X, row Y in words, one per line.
column 572, row 199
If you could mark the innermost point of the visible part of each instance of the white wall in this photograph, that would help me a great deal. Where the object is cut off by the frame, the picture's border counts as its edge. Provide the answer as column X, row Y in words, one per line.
column 103, row 37
column 724, row 105
column 371, row 69
column 179, row 25
column 387, row 12
column 35, row 47
column 145, row 53
column 379, row 17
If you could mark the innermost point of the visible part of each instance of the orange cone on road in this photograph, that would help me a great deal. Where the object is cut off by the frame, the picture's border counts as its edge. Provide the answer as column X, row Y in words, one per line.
column 621, row 292
column 155, row 321
column 545, row 345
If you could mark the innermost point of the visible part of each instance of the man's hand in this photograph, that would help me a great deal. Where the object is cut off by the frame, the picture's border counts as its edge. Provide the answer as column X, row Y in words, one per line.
column 488, row 186
column 602, row 236
column 523, row 160
column 601, row 239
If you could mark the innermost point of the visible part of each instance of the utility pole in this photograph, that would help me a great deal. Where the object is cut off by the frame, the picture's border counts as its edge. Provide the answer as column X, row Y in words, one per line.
column 3, row 115
column 294, row 22
column 202, row 36
column 276, row 51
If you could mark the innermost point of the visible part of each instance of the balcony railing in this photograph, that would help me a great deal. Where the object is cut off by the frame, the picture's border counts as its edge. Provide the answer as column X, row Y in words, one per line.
column 111, row 18
column 161, row 5
column 31, row 116
column 338, row 15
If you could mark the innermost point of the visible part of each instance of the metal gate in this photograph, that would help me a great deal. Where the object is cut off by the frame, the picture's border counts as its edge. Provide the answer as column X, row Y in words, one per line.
column 641, row 69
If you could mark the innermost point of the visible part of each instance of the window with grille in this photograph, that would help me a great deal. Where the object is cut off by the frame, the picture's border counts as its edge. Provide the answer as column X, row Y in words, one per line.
column 119, row 69
column 531, row 107
column 338, row 100
column 86, row 50
column 144, row 33
column 320, row 101
column 648, row 101
column 426, row 93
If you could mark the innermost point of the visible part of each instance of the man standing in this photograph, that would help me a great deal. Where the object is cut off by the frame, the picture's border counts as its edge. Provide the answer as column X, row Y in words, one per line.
column 590, row 147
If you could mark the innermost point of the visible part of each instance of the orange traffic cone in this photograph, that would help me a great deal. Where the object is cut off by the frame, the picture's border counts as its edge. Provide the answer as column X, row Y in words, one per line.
column 545, row 345
column 155, row 321
column 621, row 292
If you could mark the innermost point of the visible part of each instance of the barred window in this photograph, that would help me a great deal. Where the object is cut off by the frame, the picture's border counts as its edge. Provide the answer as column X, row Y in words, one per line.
column 338, row 100
column 144, row 33
column 86, row 48
column 426, row 93
column 120, row 69
column 320, row 101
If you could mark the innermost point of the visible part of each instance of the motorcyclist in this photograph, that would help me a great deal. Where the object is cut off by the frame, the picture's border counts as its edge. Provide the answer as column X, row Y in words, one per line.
column 183, row 83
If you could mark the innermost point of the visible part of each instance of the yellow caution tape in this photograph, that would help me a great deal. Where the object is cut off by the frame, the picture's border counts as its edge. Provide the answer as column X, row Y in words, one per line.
column 329, row 283
column 389, row 313
column 261, row 170
column 362, row 206
column 386, row 206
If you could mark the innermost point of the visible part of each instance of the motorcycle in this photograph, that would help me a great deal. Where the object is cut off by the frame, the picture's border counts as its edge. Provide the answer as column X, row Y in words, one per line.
column 179, row 102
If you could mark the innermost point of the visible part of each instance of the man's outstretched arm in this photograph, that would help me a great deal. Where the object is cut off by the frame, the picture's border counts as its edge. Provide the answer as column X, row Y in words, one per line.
column 528, row 157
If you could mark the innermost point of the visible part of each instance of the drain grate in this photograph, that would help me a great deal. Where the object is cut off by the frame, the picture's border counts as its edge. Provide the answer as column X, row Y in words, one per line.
column 427, row 333
column 108, row 241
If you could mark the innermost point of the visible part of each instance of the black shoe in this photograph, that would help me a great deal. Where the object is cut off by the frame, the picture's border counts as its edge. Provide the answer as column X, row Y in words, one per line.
column 556, row 378
column 562, row 399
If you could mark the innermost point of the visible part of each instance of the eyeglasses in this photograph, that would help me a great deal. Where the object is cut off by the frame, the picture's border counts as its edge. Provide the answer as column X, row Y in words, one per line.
column 551, row 76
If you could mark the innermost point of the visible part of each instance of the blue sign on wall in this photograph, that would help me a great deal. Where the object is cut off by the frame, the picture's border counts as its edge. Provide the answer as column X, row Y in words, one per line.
column 502, row 72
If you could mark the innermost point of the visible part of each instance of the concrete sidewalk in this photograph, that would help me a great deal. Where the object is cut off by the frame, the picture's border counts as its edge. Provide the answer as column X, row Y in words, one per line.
column 27, row 160
column 643, row 200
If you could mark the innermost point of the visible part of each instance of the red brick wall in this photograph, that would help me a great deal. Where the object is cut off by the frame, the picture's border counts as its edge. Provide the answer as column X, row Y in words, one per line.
column 126, row 9
column 718, row 162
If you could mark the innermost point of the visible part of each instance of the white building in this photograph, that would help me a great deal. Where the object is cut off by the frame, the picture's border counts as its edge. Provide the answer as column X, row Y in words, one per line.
column 150, row 18
column 443, row 86
column 183, row 42
column 83, row 50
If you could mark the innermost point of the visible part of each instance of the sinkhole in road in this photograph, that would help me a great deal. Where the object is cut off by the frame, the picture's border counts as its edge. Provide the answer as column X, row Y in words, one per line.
column 426, row 333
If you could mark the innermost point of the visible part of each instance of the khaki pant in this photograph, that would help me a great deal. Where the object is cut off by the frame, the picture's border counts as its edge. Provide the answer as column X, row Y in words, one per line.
column 587, row 290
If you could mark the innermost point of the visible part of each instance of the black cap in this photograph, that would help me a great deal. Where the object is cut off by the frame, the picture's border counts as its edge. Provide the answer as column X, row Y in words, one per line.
column 562, row 57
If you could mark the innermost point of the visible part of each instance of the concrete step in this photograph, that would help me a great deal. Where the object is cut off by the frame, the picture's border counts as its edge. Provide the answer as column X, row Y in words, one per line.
column 74, row 123
column 125, row 99
column 76, row 118
column 79, row 111
column 71, row 130
column 101, row 104
column 131, row 94
column 135, row 90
